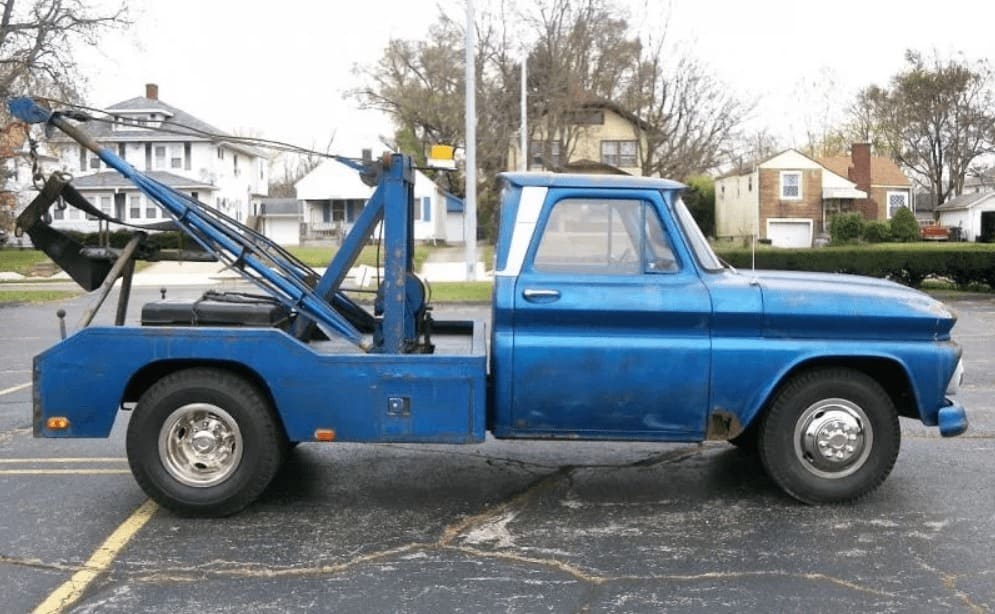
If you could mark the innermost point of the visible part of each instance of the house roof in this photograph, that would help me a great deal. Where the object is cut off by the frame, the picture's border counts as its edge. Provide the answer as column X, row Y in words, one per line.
column 113, row 180
column 454, row 204
column 591, row 166
column 601, row 103
column 178, row 122
column 966, row 201
column 884, row 172
column 271, row 207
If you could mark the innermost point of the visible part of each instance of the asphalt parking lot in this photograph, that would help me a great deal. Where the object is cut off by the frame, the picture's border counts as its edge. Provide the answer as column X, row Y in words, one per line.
column 497, row 527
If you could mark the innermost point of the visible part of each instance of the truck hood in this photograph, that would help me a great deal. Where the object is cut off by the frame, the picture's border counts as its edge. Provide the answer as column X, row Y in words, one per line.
column 827, row 305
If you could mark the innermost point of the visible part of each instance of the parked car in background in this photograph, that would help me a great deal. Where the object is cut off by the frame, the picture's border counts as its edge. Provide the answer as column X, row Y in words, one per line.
column 934, row 232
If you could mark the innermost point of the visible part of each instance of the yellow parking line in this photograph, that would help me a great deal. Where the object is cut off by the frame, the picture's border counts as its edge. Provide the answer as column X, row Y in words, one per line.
column 70, row 591
column 14, row 388
column 64, row 472
column 81, row 459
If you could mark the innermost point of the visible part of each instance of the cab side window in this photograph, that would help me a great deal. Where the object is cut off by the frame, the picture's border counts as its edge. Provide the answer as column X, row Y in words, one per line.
column 603, row 237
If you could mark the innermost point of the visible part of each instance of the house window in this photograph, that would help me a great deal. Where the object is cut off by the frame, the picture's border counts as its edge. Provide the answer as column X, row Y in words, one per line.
column 791, row 185
column 160, row 156
column 135, row 207
column 58, row 214
column 897, row 200
column 619, row 153
column 121, row 150
column 175, row 160
column 151, row 211
column 186, row 156
column 426, row 209
column 82, row 158
column 221, row 154
column 235, row 165
column 585, row 117
column 536, row 157
column 95, row 163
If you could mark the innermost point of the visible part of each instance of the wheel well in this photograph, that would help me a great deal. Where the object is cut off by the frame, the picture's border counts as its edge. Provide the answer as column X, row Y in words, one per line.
column 153, row 372
column 887, row 373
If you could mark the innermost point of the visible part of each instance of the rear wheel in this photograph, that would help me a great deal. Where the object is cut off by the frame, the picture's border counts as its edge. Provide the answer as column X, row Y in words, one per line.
column 204, row 442
column 831, row 435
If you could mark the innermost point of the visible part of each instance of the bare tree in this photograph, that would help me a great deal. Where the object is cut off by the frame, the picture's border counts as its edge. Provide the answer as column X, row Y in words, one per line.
column 288, row 167
column 37, row 38
column 582, row 52
column 937, row 118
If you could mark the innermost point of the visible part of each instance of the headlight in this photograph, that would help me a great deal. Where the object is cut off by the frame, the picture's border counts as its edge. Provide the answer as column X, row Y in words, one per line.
column 956, row 379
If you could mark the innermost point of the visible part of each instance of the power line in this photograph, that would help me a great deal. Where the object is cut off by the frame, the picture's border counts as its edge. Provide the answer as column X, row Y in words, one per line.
column 181, row 129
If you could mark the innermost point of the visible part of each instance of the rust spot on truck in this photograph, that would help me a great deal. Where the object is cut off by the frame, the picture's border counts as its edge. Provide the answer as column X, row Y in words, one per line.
column 723, row 426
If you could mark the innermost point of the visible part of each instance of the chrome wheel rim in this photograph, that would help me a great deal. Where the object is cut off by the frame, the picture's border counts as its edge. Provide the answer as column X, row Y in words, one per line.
column 200, row 445
column 833, row 438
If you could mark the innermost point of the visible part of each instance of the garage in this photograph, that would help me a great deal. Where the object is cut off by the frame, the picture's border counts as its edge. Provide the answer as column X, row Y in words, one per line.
column 790, row 232
column 280, row 220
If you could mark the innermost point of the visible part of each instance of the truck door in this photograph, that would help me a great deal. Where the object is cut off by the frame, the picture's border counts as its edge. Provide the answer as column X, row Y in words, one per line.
column 611, row 323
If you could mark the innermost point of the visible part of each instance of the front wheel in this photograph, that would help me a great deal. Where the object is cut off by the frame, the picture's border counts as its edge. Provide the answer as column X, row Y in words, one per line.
column 830, row 436
column 204, row 442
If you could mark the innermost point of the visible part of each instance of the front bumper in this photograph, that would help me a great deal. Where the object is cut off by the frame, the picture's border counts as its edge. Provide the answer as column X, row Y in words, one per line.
column 952, row 419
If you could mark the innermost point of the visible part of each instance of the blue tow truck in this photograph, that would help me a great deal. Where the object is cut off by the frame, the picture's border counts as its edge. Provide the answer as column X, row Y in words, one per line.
column 612, row 320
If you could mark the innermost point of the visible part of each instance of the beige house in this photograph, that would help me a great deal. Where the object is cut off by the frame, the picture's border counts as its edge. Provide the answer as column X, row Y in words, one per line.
column 601, row 137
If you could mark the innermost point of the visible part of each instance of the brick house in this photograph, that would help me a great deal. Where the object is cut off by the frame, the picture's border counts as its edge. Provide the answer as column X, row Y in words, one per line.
column 790, row 198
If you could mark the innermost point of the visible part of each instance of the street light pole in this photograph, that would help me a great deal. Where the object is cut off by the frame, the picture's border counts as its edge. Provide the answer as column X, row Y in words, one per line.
column 470, row 203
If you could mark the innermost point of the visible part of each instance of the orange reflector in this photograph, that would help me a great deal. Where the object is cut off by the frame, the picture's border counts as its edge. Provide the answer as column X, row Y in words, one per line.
column 324, row 435
column 57, row 423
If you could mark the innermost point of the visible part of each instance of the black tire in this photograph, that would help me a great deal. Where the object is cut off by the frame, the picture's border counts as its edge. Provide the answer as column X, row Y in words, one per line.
column 183, row 442
column 830, row 436
column 747, row 441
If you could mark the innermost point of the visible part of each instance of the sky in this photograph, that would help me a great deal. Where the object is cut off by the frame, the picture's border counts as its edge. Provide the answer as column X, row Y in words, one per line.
column 283, row 69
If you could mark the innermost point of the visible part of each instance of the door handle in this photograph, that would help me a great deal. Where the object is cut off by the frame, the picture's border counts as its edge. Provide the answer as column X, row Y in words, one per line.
column 540, row 296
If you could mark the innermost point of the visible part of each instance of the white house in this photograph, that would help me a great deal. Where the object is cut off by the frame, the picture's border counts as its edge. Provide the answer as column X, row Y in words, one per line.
column 973, row 213
column 171, row 146
column 333, row 196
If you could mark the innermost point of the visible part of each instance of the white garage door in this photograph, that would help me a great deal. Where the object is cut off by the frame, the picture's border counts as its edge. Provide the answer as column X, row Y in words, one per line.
column 790, row 233
column 284, row 231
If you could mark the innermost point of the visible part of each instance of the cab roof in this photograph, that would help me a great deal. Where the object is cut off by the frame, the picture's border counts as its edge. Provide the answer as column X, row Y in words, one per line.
column 573, row 180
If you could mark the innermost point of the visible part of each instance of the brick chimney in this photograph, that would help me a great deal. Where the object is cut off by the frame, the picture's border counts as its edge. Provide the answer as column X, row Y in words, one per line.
column 152, row 91
column 860, row 155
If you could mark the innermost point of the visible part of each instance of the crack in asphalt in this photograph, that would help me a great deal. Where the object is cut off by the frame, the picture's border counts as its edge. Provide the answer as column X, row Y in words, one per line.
column 949, row 582
column 36, row 564
column 460, row 528
column 8, row 436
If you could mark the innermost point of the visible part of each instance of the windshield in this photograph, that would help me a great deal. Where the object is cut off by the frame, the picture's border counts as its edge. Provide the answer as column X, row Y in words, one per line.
column 696, row 240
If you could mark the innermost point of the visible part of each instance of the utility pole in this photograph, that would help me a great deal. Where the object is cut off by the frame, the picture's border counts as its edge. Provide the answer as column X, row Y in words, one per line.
column 523, row 163
column 470, row 203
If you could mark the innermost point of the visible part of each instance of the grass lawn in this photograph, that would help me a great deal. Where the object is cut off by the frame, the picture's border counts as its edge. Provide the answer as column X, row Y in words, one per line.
column 20, row 260
column 321, row 256
column 11, row 297
column 462, row 292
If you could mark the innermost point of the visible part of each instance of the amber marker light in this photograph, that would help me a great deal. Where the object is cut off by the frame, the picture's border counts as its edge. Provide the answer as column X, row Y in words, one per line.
column 324, row 435
column 57, row 423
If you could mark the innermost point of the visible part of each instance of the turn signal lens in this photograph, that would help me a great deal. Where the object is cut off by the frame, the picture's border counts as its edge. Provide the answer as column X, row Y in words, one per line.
column 324, row 435
column 57, row 423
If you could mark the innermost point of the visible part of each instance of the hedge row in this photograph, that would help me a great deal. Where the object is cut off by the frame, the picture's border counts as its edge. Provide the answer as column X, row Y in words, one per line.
column 961, row 264
column 119, row 238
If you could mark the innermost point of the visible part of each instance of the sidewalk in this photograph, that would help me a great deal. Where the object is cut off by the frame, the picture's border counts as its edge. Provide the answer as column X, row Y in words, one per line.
column 443, row 265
